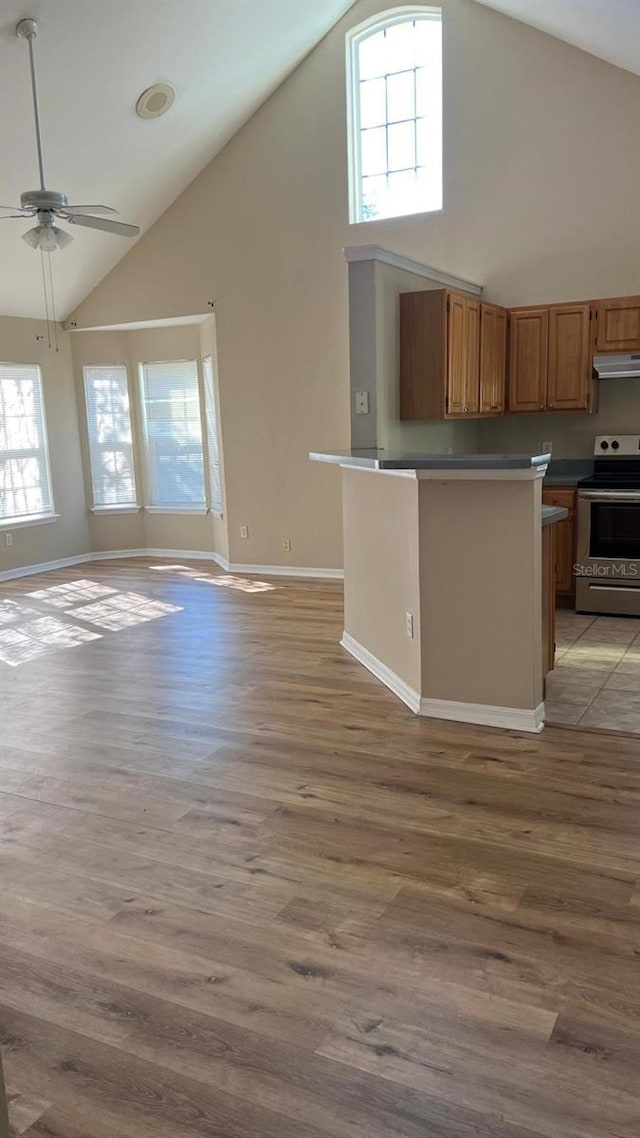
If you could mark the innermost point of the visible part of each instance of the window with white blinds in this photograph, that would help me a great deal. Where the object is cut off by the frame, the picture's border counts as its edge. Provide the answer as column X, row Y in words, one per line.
column 110, row 439
column 25, row 481
column 173, row 434
column 213, row 435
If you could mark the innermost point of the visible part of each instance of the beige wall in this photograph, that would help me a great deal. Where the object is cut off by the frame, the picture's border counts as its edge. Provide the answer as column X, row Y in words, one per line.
column 381, row 579
column 542, row 180
column 481, row 590
column 463, row 557
column 25, row 341
column 617, row 411
column 173, row 531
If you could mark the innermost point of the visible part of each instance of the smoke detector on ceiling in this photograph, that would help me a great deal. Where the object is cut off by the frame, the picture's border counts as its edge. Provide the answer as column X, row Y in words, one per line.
column 155, row 101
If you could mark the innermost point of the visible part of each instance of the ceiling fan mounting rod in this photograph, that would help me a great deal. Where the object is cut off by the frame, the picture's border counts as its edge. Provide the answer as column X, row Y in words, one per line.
column 27, row 29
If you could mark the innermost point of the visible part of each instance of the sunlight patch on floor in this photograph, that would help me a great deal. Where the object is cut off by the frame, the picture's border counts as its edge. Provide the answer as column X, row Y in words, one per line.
column 33, row 639
column 123, row 610
column 64, row 596
column 223, row 580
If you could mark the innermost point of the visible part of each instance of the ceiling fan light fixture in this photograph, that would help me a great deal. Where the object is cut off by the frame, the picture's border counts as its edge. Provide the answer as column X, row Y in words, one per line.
column 48, row 238
column 155, row 101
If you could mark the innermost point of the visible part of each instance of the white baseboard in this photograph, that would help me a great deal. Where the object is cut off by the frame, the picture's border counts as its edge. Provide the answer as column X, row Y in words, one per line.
column 391, row 679
column 44, row 567
column 486, row 714
column 289, row 571
column 177, row 554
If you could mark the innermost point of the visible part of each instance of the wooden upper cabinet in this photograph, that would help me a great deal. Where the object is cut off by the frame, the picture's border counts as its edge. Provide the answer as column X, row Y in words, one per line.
column 528, row 348
column 617, row 324
column 456, row 355
column 493, row 361
column 439, row 355
column 472, row 356
column 569, row 379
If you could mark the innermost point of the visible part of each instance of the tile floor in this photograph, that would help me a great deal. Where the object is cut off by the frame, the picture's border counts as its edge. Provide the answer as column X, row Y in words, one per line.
column 596, row 680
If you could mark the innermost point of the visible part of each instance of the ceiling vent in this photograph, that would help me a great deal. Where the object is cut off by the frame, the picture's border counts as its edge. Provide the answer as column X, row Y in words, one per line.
column 155, row 101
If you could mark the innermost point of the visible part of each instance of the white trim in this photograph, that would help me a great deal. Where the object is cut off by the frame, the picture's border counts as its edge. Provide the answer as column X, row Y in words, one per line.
column 289, row 571
column 33, row 520
column 44, row 567
column 216, row 513
column 398, row 261
column 102, row 510
column 198, row 511
column 390, row 679
column 175, row 554
column 488, row 715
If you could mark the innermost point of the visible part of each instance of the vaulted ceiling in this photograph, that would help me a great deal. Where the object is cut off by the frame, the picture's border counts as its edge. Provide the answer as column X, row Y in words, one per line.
column 94, row 58
column 607, row 28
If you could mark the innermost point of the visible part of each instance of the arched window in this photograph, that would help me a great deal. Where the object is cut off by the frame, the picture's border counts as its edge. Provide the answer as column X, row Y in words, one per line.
column 394, row 77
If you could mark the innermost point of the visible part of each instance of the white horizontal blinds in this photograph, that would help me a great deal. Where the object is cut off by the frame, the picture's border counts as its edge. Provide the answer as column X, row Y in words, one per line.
column 25, row 483
column 110, row 438
column 173, row 434
column 213, row 437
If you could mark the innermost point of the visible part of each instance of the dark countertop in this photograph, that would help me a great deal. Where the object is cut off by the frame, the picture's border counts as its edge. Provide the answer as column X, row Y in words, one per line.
column 551, row 514
column 568, row 471
column 390, row 460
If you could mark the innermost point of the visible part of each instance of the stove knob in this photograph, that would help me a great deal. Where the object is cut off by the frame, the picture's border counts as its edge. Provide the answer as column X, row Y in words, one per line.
column 615, row 445
column 604, row 445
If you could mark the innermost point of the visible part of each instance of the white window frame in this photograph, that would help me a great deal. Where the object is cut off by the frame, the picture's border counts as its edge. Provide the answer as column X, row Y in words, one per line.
column 153, row 507
column 131, row 506
column 49, row 514
column 354, row 37
column 214, row 449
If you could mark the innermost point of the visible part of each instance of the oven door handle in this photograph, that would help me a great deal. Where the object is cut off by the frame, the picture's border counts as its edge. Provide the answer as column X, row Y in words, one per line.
column 609, row 495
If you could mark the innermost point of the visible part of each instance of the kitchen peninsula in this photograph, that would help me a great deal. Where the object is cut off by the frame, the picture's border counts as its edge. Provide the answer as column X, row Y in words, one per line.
column 447, row 580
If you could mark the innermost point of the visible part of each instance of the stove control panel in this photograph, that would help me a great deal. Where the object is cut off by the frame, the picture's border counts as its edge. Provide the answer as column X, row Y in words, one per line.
column 610, row 446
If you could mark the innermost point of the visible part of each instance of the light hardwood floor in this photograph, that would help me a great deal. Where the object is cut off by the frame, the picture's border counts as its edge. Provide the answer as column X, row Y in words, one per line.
column 245, row 893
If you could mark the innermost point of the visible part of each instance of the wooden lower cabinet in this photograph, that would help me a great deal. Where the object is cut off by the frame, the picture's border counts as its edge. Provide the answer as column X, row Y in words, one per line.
column 548, row 598
column 565, row 537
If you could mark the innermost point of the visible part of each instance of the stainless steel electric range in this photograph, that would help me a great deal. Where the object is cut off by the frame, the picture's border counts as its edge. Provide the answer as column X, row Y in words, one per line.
column 608, row 541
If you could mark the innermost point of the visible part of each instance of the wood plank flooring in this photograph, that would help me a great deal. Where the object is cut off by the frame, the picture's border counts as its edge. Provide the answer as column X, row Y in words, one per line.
column 245, row 893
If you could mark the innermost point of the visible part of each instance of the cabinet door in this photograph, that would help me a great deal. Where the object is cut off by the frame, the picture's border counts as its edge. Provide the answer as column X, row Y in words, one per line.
column 493, row 359
column 569, row 377
column 565, row 537
column 472, row 356
column 618, row 324
column 528, row 344
column 456, row 355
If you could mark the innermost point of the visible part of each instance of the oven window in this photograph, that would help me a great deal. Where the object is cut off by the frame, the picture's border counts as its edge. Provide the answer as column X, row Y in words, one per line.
column 615, row 530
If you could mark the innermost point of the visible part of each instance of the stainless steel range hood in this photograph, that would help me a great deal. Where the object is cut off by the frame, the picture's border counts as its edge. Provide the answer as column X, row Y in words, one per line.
column 617, row 367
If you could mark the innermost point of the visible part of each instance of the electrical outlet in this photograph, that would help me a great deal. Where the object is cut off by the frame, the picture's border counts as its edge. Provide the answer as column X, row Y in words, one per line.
column 362, row 402
column 8, row 539
column 408, row 623
column 244, row 531
column 286, row 544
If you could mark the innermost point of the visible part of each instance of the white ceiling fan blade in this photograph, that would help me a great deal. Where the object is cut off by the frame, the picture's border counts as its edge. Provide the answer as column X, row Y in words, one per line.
column 106, row 224
column 89, row 209
column 17, row 210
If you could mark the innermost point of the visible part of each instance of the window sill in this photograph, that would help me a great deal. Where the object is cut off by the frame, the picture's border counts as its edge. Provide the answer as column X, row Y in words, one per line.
column 34, row 520
column 176, row 510
column 215, row 513
column 102, row 510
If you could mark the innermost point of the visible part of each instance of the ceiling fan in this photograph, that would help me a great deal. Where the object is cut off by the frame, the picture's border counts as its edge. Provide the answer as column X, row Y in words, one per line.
column 49, row 205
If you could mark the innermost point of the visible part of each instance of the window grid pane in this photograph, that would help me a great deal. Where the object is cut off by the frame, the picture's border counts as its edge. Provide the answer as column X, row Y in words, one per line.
column 213, row 439
column 399, row 159
column 25, row 489
column 173, row 434
column 110, row 439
